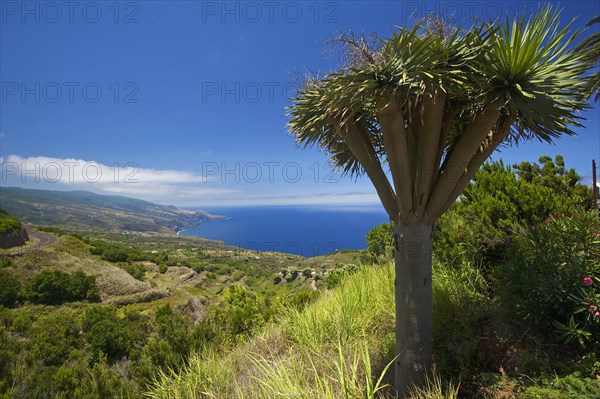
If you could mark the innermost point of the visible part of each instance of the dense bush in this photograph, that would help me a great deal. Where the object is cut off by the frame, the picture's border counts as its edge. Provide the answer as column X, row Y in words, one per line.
column 53, row 287
column 108, row 334
column 243, row 314
column 135, row 269
column 113, row 252
column 8, row 351
column 54, row 338
column 52, row 361
column 167, row 347
column 573, row 386
column 9, row 288
column 110, row 252
column 500, row 203
column 552, row 280
column 8, row 224
column 380, row 241
column 5, row 261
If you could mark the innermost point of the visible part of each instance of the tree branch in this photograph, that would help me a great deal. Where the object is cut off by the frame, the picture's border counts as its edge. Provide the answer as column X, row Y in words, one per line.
column 428, row 141
column 468, row 143
column 356, row 137
column 485, row 151
column 395, row 143
column 446, row 127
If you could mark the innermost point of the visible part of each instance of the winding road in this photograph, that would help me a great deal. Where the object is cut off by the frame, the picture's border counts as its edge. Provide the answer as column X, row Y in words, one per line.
column 43, row 239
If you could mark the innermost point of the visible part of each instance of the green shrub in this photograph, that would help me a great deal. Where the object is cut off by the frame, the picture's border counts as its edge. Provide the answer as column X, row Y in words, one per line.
column 115, row 255
column 237, row 275
column 114, row 252
column 9, row 288
column 211, row 276
column 380, row 241
column 5, row 261
column 8, row 224
column 175, row 329
column 53, row 287
column 552, row 281
column 106, row 333
column 54, row 337
column 135, row 269
column 162, row 257
column 8, row 350
column 168, row 347
column 569, row 387
column 460, row 307
column 500, row 203
column 242, row 314
column 300, row 299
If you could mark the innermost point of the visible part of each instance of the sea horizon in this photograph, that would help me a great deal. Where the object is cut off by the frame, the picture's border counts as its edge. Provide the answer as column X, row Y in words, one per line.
column 305, row 230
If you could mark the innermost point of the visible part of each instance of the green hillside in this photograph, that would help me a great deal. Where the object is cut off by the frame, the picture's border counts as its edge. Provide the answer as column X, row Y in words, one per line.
column 73, row 312
column 86, row 210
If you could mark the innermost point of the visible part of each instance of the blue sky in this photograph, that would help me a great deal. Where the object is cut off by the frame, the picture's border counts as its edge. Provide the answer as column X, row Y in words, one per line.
column 183, row 102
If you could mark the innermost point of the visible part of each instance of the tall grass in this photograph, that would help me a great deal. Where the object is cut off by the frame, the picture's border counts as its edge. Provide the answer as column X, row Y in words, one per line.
column 340, row 346
column 347, row 377
column 460, row 309
column 206, row 376
column 435, row 389
column 361, row 306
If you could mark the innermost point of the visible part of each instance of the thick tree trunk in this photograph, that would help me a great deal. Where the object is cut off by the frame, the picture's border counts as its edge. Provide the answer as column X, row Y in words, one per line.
column 413, row 305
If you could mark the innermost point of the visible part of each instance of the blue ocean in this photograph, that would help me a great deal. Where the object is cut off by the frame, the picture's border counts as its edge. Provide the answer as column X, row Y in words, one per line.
column 299, row 230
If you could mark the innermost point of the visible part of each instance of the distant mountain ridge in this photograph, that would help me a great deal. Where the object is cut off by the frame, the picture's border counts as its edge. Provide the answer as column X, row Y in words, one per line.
column 84, row 209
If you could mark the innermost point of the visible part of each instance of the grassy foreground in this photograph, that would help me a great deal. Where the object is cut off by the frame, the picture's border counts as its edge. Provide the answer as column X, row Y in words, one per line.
column 338, row 347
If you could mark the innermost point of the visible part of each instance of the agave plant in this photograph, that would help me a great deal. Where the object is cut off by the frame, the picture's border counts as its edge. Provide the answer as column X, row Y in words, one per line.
column 419, row 112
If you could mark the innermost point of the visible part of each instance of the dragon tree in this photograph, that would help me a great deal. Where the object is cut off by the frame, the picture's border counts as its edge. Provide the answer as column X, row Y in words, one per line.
column 419, row 112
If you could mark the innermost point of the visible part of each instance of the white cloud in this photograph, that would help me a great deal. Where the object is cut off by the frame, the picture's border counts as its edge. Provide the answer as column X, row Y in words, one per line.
column 79, row 171
column 166, row 190
column 166, row 186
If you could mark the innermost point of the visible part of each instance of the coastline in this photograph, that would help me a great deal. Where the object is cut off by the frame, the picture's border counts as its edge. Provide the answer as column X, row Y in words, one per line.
column 205, row 217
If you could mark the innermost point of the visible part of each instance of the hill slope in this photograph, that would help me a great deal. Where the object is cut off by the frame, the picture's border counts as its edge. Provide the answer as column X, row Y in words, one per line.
column 328, row 350
column 86, row 210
